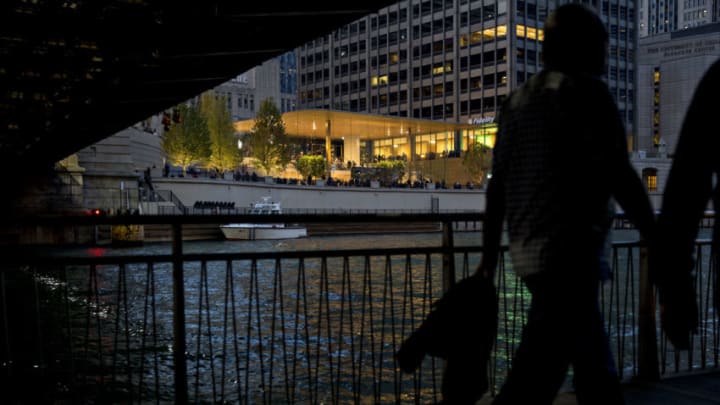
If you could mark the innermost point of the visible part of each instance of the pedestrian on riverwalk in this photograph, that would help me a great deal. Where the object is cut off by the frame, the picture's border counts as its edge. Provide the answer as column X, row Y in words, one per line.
column 688, row 190
column 560, row 158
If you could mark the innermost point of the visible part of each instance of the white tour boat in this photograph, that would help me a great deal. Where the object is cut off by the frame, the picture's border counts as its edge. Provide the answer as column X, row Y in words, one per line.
column 266, row 230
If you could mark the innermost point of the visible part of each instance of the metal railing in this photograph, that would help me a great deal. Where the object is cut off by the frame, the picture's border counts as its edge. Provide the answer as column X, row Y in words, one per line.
column 304, row 326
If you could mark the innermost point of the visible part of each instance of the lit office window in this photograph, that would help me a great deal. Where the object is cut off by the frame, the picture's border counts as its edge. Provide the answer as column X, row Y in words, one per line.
column 379, row 80
column 650, row 178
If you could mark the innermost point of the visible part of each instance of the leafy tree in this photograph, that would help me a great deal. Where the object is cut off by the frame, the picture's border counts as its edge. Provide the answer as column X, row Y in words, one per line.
column 268, row 144
column 225, row 154
column 311, row 165
column 187, row 141
column 477, row 160
column 391, row 170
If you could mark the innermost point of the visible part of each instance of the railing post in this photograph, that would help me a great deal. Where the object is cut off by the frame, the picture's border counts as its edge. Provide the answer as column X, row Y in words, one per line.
column 179, row 344
column 648, row 367
column 448, row 275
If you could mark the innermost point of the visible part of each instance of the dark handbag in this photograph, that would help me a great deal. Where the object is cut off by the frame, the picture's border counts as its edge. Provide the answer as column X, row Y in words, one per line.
column 461, row 328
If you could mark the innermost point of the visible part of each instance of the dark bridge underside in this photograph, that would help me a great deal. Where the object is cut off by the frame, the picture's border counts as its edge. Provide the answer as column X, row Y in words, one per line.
column 77, row 71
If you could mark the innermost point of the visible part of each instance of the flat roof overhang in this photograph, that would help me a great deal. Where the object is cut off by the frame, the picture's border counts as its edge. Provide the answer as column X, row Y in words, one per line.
column 309, row 123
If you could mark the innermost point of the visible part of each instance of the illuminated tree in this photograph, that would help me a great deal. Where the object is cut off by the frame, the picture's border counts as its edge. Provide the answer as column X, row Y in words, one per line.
column 225, row 155
column 187, row 141
column 268, row 144
column 390, row 171
column 477, row 160
column 311, row 165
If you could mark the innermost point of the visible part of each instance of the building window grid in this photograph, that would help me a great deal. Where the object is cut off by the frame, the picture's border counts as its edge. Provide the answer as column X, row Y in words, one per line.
column 531, row 59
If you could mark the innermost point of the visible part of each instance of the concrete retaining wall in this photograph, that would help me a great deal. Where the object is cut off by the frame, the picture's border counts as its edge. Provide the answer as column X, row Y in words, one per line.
column 295, row 197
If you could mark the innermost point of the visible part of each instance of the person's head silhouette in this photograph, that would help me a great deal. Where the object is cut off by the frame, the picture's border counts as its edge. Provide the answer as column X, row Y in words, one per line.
column 575, row 41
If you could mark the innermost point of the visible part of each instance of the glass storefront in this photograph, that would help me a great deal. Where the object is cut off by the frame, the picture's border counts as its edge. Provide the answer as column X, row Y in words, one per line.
column 392, row 148
column 483, row 135
column 434, row 146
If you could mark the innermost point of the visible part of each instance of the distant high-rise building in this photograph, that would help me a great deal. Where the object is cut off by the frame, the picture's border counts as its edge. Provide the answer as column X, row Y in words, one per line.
column 669, row 68
column 276, row 78
column 449, row 60
column 660, row 16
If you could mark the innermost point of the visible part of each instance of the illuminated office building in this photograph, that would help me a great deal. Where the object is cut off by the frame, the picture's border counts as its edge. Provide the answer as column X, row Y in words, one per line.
column 275, row 78
column 669, row 68
column 660, row 16
column 448, row 60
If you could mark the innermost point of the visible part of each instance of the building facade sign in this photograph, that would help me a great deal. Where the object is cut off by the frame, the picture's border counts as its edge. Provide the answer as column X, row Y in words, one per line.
column 685, row 48
column 481, row 120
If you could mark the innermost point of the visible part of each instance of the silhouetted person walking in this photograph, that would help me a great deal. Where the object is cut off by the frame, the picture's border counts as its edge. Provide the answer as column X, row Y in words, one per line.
column 688, row 190
column 560, row 156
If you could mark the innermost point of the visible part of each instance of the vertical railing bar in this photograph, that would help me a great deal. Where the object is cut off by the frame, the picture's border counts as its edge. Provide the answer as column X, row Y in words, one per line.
column 374, row 360
column 209, row 331
column 281, row 299
column 353, row 374
column 318, row 336
column 328, row 321
column 344, row 281
column 365, row 290
column 260, row 347
column 698, row 272
column 273, row 325
column 500, row 283
column 113, row 378
column 143, row 328
column 706, row 308
column 248, row 330
column 69, row 327
column 608, row 302
column 179, row 338
column 126, row 313
column 714, row 268
column 635, row 355
column 235, row 334
column 204, row 282
column 628, row 307
column 448, row 245
column 296, row 334
column 306, row 329
column 384, row 314
column 406, row 311
column 226, row 316
column 38, row 326
column 198, row 339
column 426, row 306
column 622, row 311
column 156, row 362
column 466, row 265
column 301, row 297
column 615, row 307
column 6, row 325
column 93, row 293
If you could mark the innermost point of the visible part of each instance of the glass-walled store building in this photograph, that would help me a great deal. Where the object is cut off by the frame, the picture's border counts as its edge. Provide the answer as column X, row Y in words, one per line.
column 447, row 60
